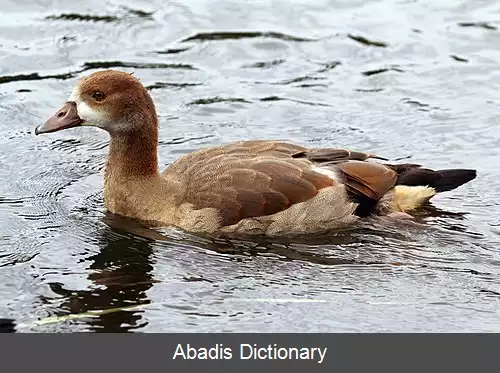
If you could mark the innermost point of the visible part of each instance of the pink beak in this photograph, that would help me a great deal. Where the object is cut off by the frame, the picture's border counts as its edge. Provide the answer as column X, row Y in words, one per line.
column 65, row 117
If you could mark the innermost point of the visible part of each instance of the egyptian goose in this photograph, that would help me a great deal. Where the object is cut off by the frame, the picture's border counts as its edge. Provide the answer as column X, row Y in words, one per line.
column 249, row 187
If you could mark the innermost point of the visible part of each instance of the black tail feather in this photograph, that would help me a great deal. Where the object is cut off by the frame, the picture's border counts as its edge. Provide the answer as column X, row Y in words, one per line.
column 7, row 326
column 453, row 178
column 441, row 180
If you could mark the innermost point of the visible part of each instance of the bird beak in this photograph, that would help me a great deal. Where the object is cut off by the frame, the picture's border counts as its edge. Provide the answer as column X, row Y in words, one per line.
column 65, row 117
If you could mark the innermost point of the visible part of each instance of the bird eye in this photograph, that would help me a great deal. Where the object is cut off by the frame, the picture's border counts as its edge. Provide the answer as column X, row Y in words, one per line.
column 98, row 95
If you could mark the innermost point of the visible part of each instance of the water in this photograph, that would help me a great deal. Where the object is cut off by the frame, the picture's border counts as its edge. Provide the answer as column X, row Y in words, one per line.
column 409, row 80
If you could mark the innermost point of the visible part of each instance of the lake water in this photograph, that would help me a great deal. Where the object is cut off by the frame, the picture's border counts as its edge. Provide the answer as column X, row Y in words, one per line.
column 411, row 80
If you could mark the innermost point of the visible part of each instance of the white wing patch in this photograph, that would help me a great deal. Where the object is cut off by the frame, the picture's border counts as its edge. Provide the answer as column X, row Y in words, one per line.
column 325, row 171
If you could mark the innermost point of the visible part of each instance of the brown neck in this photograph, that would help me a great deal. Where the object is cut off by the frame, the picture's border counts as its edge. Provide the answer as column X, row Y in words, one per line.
column 133, row 154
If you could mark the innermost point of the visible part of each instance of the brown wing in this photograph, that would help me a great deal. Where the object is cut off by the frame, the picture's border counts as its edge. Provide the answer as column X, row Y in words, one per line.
column 368, row 180
column 257, row 178
column 244, row 188
column 332, row 155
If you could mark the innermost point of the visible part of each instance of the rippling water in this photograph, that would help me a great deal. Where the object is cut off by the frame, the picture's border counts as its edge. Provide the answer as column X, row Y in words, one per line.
column 409, row 80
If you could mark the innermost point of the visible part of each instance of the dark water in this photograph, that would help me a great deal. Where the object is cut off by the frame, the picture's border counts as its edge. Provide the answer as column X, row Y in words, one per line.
column 412, row 80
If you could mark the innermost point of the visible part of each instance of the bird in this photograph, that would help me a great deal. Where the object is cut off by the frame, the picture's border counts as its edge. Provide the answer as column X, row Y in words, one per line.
column 249, row 187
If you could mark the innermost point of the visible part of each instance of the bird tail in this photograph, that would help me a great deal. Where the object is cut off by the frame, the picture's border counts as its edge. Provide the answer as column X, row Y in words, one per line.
column 417, row 186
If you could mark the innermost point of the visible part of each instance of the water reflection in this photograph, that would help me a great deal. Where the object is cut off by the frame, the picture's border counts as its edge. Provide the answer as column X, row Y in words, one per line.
column 121, row 273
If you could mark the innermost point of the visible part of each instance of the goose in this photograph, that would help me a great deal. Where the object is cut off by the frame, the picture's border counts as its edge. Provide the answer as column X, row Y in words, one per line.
column 252, row 187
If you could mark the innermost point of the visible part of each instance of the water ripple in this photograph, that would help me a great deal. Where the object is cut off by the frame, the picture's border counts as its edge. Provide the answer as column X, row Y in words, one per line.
column 365, row 41
column 208, row 36
column 307, row 72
